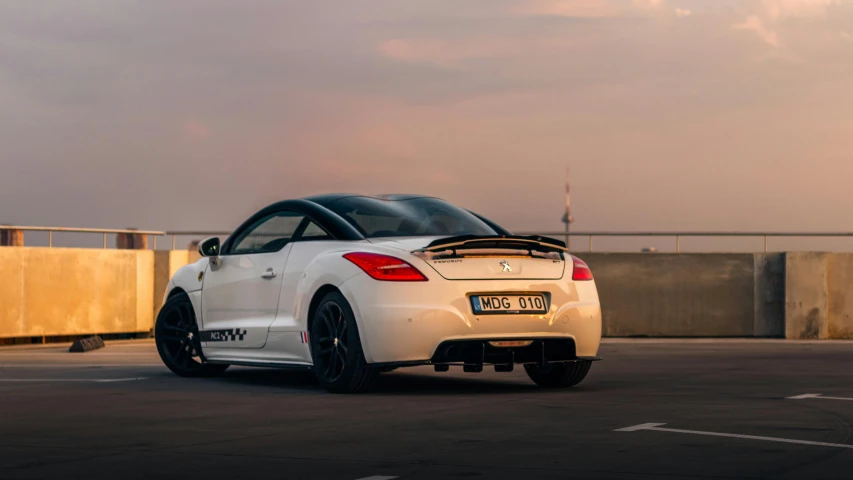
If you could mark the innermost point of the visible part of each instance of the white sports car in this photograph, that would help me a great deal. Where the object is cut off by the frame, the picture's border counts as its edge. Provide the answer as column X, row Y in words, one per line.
column 351, row 285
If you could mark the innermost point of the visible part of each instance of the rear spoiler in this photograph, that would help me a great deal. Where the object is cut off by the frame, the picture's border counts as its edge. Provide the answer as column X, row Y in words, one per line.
column 497, row 244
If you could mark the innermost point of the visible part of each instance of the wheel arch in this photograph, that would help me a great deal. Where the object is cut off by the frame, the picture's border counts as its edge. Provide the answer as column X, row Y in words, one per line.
column 328, row 272
column 315, row 301
column 175, row 291
column 171, row 291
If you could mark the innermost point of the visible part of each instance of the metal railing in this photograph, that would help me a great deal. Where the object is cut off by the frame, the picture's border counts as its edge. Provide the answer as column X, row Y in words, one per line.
column 104, row 231
column 592, row 235
column 197, row 233
column 679, row 235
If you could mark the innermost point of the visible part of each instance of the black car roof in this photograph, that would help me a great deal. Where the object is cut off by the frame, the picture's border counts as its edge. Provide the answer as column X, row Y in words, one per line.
column 326, row 199
column 315, row 207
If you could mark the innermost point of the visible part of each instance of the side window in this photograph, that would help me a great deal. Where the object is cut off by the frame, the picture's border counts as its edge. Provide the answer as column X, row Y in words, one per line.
column 313, row 232
column 269, row 234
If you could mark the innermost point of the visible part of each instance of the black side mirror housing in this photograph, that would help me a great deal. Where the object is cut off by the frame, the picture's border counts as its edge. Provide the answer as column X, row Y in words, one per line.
column 209, row 247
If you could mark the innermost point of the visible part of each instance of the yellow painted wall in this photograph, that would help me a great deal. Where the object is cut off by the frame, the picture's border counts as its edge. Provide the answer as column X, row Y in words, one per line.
column 166, row 263
column 68, row 291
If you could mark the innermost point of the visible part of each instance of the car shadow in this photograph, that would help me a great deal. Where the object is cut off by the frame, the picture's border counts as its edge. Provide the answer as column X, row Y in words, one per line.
column 399, row 382
column 269, row 377
column 404, row 383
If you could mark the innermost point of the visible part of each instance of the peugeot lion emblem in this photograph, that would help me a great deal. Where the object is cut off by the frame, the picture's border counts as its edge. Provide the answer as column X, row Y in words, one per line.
column 505, row 265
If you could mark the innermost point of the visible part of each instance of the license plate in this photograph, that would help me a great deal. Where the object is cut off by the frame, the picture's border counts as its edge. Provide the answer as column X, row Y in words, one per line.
column 508, row 304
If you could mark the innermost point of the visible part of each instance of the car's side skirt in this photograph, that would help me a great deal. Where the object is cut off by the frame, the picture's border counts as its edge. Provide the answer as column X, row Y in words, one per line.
column 281, row 365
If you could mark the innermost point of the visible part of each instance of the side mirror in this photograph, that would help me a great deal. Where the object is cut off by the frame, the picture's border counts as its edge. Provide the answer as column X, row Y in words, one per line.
column 209, row 247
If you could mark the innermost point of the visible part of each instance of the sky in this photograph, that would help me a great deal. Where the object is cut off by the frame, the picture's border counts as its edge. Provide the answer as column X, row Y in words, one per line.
column 671, row 114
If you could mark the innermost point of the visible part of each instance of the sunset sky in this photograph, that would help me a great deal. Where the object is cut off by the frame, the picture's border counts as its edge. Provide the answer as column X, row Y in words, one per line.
column 192, row 114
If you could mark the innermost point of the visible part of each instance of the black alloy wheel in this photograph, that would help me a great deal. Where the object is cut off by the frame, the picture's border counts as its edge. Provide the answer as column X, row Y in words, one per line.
column 336, row 350
column 177, row 338
column 331, row 342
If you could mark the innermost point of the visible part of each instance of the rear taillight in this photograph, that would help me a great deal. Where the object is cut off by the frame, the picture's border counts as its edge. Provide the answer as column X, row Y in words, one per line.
column 580, row 270
column 385, row 267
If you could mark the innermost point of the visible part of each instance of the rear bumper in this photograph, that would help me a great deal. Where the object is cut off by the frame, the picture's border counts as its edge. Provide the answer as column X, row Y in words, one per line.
column 480, row 352
column 474, row 354
column 407, row 323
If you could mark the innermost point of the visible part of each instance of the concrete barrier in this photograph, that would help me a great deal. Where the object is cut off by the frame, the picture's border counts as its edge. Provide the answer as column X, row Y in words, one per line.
column 796, row 295
column 839, row 279
column 65, row 291
column 166, row 263
column 805, row 295
column 819, row 295
column 60, row 292
column 769, row 295
column 686, row 295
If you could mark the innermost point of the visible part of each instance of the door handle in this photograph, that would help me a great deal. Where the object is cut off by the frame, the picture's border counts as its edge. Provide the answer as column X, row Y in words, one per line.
column 270, row 273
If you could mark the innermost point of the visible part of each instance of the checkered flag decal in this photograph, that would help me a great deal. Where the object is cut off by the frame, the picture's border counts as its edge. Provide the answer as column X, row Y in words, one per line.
column 232, row 335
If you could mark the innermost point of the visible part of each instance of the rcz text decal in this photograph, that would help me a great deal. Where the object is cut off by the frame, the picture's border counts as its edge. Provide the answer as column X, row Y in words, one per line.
column 230, row 335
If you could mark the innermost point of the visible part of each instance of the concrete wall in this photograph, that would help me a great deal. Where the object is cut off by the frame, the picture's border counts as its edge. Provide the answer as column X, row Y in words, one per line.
column 805, row 295
column 691, row 295
column 60, row 291
column 64, row 291
column 796, row 295
column 166, row 263
column 819, row 295
column 839, row 279
column 769, row 287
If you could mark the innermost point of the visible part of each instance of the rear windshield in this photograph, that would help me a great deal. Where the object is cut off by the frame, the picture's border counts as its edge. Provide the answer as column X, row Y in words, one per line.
column 374, row 217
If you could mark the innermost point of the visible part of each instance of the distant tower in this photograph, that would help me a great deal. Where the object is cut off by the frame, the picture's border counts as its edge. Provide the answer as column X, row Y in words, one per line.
column 567, row 215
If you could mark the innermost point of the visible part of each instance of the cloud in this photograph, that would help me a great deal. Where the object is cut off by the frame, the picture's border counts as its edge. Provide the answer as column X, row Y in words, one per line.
column 567, row 8
column 442, row 52
column 778, row 9
column 300, row 92
column 400, row 49
column 681, row 12
column 772, row 13
column 755, row 24
column 582, row 8
column 453, row 53
column 195, row 129
column 648, row 3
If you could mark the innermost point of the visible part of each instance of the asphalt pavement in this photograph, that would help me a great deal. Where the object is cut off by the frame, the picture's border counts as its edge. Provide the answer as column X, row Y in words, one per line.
column 650, row 410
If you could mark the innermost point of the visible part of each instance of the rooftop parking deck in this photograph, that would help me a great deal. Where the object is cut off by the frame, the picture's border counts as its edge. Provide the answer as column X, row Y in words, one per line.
column 725, row 406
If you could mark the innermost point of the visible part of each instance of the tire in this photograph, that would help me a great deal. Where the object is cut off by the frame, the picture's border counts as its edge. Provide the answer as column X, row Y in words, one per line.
column 178, row 342
column 558, row 375
column 336, row 349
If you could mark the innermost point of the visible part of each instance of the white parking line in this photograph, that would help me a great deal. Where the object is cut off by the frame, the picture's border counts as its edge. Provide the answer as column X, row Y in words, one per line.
column 52, row 380
column 111, row 380
column 377, row 477
column 820, row 396
column 656, row 427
